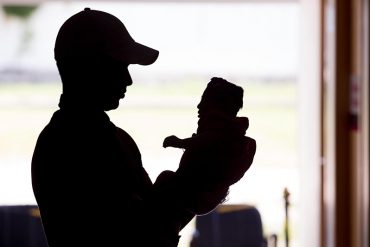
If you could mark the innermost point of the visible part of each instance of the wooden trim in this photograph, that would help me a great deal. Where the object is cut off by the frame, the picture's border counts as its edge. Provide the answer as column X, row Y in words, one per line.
column 365, row 121
column 336, row 135
column 25, row 2
column 343, row 169
column 322, row 154
column 346, row 173
column 328, row 125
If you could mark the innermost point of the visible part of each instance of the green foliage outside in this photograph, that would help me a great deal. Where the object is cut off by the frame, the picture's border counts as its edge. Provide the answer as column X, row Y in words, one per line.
column 21, row 11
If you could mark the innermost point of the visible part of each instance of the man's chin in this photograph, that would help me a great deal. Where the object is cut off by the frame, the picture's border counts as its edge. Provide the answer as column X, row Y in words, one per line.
column 111, row 106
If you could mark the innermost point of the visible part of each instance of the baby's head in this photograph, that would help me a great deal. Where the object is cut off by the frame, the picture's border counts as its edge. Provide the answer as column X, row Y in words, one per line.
column 221, row 95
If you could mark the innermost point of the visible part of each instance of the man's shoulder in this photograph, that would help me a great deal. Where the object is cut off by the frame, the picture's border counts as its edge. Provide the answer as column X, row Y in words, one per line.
column 125, row 138
column 123, row 133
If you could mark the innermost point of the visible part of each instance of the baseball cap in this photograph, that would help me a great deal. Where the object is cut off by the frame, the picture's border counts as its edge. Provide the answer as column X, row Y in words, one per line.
column 91, row 33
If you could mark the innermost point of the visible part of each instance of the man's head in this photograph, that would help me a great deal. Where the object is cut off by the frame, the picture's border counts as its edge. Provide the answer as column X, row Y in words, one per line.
column 93, row 50
column 221, row 95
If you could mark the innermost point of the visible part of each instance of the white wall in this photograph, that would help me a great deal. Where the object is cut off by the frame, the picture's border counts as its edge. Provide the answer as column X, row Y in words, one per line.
column 309, row 110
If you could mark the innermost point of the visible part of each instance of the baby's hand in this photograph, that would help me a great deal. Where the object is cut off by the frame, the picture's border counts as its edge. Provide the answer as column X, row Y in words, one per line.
column 171, row 141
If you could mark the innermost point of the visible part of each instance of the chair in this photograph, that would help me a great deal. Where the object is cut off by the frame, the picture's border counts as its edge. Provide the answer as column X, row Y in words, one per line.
column 20, row 226
column 229, row 226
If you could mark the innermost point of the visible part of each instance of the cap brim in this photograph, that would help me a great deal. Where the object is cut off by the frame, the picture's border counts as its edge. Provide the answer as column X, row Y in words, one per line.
column 145, row 54
column 137, row 54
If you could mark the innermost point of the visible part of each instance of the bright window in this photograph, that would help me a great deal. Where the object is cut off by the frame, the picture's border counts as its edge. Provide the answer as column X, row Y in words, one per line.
column 253, row 45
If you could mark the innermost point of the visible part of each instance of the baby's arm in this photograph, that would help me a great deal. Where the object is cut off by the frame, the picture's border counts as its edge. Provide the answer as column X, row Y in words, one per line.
column 197, row 140
column 174, row 141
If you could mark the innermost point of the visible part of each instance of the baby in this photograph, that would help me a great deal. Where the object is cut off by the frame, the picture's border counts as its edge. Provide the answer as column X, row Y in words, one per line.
column 214, row 157
column 219, row 130
column 218, row 108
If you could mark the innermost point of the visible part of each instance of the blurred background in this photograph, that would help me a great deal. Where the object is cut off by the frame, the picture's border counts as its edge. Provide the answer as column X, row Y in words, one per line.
column 281, row 52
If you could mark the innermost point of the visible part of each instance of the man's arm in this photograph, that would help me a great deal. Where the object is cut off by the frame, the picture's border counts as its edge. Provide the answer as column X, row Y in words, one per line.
column 191, row 188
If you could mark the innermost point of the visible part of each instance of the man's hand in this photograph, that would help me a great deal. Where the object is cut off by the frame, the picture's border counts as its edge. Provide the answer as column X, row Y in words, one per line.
column 241, row 161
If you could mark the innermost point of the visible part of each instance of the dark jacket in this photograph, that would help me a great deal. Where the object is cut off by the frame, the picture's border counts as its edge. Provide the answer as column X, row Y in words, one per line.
column 92, row 189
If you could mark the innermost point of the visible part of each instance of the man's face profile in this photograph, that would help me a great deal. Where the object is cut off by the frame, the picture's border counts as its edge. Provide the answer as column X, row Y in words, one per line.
column 111, row 80
column 98, row 82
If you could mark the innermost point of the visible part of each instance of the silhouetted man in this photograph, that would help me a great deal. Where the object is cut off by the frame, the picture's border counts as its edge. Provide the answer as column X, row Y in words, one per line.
column 87, row 175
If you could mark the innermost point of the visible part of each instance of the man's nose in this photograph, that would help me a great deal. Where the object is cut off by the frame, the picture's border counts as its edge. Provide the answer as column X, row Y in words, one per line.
column 129, row 82
column 127, row 78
